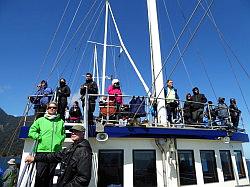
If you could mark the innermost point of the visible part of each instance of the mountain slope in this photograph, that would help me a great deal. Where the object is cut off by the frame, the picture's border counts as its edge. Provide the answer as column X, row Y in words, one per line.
column 8, row 128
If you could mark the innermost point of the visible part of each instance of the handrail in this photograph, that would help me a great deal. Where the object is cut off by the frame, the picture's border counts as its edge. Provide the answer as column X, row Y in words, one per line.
column 210, row 120
column 26, row 167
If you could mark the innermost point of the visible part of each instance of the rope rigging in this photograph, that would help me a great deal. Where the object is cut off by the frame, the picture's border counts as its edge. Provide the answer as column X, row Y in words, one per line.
column 178, row 48
column 66, row 35
column 91, row 33
column 175, row 44
column 224, row 45
column 198, row 53
column 188, row 43
column 51, row 43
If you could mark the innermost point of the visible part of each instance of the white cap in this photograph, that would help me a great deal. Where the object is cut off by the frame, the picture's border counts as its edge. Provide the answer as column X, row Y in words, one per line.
column 12, row 161
column 115, row 81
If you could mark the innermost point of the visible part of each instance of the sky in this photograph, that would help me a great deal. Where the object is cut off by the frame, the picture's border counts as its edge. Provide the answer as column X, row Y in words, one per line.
column 32, row 41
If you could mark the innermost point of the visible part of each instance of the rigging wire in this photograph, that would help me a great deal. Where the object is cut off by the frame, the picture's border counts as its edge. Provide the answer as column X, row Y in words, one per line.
column 66, row 35
column 175, row 44
column 87, row 40
column 227, row 44
column 188, row 43
column 224, row 45
column 77, row 30
column 206, row 73
column 51, row 43
column 198, row 53
column 178, row 48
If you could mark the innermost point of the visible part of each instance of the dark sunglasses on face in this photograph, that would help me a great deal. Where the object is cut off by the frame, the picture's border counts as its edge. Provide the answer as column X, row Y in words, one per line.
column 52, row 107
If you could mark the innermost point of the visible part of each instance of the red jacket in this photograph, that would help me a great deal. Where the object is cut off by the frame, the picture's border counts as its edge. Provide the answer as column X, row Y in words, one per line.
column 115, row 91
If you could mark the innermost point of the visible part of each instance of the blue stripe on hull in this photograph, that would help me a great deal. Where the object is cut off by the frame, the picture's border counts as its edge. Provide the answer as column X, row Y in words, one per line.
column 142, row 132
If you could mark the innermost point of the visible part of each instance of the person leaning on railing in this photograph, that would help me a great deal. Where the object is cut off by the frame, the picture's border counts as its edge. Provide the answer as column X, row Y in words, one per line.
column 197, row 105
column 50, row 133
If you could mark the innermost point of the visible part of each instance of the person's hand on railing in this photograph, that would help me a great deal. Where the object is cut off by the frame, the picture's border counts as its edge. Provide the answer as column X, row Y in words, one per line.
column 29, row 159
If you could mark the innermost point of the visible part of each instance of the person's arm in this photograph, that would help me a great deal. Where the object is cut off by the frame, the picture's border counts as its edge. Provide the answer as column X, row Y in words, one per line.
column 67, row 93
column 34, row 130
column 83, row 90
column 84, row 166
column 48, row 158
column 204, row 99
column 93, row 88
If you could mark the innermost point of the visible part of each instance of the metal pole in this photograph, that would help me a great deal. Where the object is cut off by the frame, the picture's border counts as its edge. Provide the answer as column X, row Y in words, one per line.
column 86, row 111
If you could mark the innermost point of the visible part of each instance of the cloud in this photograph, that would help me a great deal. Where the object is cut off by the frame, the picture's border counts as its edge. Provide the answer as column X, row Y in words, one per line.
column 4, row 88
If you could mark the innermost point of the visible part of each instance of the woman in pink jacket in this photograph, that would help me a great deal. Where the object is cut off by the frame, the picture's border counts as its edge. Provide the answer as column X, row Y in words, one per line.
column 115, row 90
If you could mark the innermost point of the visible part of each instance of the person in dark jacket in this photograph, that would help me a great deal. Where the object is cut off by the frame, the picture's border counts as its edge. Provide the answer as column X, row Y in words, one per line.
column 75, row 114
column 234, row 113
column 76, row 160
column 89, row 86
column 197, row 105
column 187, row 110
column 63, row 92
column 10, row 175
column 222, row 111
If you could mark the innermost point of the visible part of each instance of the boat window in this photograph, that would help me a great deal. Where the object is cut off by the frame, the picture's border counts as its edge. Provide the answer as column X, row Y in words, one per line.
column 144, row 168
column 209, row 167
column 110, row 168
column 239, row 163
column 186, row 167
column 227, row 166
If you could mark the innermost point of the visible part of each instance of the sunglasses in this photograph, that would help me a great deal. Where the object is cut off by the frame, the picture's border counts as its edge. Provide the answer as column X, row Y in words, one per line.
column 52, row 107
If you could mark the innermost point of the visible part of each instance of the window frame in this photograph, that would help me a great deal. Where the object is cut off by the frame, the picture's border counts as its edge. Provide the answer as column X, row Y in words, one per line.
column 193, row 162
column 154, row 161
column 232, row 177
column 205, row 176
column 240, row 175
column 122, row 163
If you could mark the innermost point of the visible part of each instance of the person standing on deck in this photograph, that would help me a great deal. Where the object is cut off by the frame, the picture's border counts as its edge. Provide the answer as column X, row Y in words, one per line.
column 89, row 86
column 10, row 175
column 234, row 113
column 172, row 102
column 41, row 98
column 63, row 92
column 76, row 160
column 116, row 91
column 197, row 105
column 50, row 133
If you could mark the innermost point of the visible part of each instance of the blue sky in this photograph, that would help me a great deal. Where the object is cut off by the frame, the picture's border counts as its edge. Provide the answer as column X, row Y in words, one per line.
column 27, row 28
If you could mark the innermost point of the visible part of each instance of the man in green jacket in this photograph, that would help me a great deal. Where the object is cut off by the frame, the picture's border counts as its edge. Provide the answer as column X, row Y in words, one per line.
column 50, row 133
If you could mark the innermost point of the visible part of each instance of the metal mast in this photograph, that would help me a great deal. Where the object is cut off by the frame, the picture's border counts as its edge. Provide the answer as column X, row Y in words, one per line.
column 104, row 50
column 156, row 60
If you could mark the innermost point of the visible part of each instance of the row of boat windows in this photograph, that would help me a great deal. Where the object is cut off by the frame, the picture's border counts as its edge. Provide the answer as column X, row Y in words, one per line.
column 209, row 167
column 111, row 162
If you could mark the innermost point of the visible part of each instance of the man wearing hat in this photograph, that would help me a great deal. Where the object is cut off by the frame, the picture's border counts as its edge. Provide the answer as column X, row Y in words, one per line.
column 76, row 160
column 10, row 175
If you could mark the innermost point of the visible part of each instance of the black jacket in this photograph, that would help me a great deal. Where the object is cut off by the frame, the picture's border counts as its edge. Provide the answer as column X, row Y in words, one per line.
column 63, row 92
column 197, row 101
column 92, row 89
column 75, row 112
column 76, row 164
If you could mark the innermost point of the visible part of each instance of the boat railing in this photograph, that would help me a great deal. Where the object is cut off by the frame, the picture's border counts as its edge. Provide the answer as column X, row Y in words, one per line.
column 142, row 111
